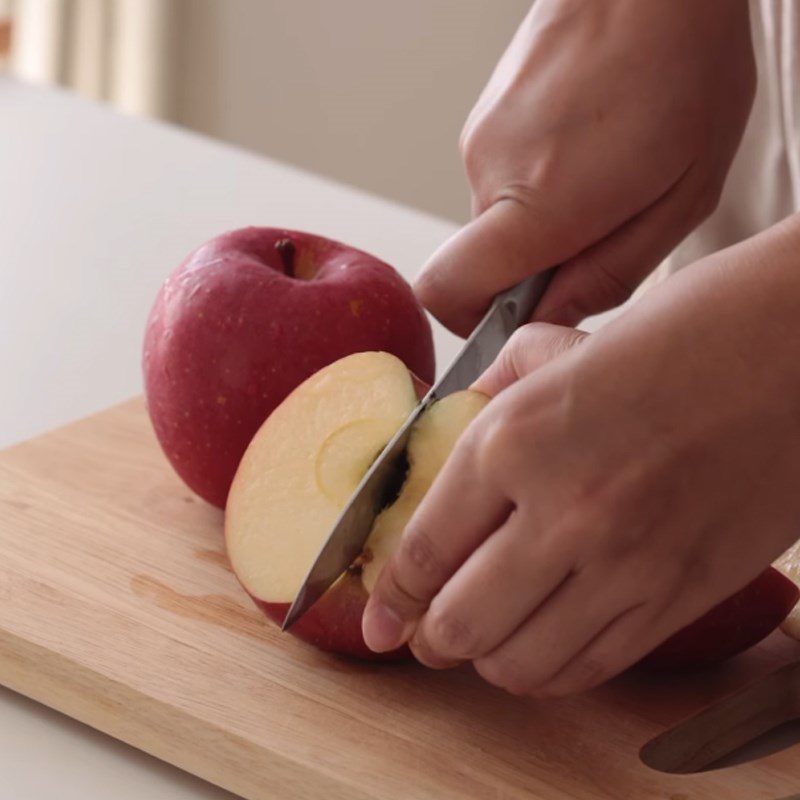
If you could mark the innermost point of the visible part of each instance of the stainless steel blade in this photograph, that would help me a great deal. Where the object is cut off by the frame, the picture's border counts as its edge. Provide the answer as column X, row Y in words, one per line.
column 353, row 525
column 509, row 310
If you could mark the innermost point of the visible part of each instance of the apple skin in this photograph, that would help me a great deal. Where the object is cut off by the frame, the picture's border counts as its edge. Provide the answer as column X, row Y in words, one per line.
column 742, row 620
column 732, row 626
column 232, row 333
column 333, row 623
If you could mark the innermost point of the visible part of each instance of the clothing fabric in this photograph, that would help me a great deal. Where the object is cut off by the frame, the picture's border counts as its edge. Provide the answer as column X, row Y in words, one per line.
column 763, row 185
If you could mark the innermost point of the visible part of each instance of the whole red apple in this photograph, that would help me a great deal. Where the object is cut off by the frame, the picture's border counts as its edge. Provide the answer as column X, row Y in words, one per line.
column 248, row 317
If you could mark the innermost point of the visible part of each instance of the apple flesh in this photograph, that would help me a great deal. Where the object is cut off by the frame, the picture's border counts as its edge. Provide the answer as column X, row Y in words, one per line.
column 431, row 442
column 301, row 469
column 248, row 317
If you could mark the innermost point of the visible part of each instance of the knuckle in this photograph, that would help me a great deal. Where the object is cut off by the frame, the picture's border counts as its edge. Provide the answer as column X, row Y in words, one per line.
column 584, row 520
column 603, row 286
column 494, row 443
column 418, row 551
column 429, row 656
column 466, row 143
column 613, row 289
column 549, row 340
column 584, row 673
column 448, row 635
column 395, row 591
column 505, row 673
column 528, row 195
column 522, row 339
column 469, row 146
column 619, row 542
column 547, row 167
column 428, row 287
column 706, row 203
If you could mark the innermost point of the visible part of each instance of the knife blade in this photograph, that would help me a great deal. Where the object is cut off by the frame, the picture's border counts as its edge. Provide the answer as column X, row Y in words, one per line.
column 508, row 311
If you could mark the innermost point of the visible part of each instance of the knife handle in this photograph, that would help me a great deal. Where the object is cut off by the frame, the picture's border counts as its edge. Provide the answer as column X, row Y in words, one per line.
column 508, row 311
column 517, row 304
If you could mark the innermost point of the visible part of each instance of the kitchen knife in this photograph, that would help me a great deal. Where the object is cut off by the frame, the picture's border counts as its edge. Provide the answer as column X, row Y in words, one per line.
column 509, row 310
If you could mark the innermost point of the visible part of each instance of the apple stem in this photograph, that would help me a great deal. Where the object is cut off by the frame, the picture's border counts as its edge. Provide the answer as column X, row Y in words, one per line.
column 286, row 250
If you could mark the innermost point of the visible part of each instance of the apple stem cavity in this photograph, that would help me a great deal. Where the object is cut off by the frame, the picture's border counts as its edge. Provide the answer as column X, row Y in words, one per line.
column 286, row 250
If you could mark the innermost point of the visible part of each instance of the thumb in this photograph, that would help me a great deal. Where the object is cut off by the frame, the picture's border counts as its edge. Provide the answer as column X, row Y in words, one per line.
column 509, row 241
column 531, row 347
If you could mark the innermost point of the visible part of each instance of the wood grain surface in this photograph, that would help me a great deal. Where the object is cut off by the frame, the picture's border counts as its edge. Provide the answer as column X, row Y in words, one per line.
column 118, row 608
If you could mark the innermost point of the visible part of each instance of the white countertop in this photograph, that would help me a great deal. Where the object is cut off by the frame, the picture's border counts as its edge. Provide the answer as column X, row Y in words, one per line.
column 95, row 210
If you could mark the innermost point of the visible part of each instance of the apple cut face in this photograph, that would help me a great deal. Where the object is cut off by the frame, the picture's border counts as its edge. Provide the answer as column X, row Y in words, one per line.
column 431, row 442
column 302, row 467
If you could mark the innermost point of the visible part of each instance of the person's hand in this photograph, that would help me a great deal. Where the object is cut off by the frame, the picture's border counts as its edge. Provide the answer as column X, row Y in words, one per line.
column 614, row 490
column 602, row 139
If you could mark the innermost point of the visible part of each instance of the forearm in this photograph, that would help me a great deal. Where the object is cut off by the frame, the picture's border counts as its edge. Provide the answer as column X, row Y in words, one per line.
column 741, row 304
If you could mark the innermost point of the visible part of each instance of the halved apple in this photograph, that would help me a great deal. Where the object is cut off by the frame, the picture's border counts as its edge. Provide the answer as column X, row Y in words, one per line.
column 302, row 467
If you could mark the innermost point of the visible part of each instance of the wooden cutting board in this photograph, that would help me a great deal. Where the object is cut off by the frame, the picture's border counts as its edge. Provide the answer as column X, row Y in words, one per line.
column 118, row 608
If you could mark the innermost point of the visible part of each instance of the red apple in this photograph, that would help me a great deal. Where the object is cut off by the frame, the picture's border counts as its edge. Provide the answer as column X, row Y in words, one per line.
column 249, row 316
column 732, row 626
column 301, row 469
column 307, row 458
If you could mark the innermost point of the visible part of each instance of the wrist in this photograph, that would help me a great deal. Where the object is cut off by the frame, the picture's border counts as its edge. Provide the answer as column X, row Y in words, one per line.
column 719, row 340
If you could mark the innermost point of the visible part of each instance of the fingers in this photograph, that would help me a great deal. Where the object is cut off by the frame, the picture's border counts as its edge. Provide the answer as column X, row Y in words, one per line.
column 491, row 595
column 605, row 656
column 606, row 274
column 531, row 347
column 457, row 514
column 513, row 239
column 506, row 243
column 579, row 637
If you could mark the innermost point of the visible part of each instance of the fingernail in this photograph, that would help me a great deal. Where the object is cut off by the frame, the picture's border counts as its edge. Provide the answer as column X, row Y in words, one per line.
column 382, row 628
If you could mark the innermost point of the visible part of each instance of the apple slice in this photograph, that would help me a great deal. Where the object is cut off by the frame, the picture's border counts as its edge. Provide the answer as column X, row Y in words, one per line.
column 430, row 443
column 300, row 470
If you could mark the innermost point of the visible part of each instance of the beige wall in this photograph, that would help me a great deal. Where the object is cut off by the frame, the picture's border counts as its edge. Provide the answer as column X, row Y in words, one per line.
column 370, row 92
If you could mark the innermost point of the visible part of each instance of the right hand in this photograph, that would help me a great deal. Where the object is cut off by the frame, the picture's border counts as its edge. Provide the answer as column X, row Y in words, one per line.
column 616, row 487
column 602, row 139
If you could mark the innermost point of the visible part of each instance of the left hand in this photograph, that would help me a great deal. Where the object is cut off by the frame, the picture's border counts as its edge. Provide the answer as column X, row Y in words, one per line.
column 616, row 491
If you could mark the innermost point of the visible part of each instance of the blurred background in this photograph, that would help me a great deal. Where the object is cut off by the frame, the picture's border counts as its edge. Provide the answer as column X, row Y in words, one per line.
column 369, row 92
